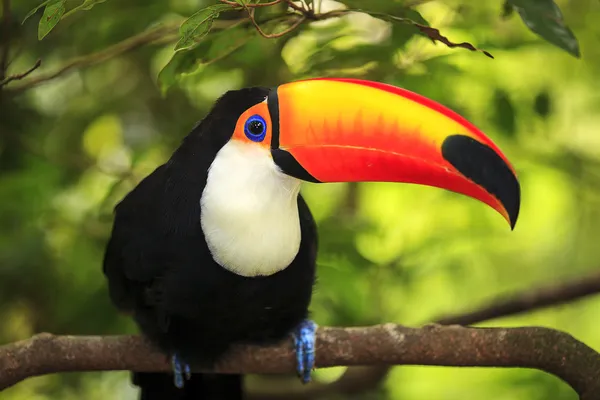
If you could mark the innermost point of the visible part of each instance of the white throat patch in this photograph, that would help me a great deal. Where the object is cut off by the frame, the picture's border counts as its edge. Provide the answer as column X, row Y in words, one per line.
column 250, row 211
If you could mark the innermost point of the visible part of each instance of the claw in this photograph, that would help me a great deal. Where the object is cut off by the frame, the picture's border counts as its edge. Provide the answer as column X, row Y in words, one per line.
column 188, row 372
column 304, row 339
column 179, row 369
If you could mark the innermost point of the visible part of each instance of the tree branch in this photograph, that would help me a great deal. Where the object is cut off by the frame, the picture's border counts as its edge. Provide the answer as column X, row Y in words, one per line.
column 115, row 50
column 532, row 347
column 6, row 20
column 356, row 380
column 20, row 76
column 531, row 300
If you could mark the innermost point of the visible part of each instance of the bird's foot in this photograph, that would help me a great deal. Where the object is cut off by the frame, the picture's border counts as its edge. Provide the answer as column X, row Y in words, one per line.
column 180, row 370
column 304, row 339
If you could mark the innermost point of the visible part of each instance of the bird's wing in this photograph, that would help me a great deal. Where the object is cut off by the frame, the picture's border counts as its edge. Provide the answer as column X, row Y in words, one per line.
column 133, row 263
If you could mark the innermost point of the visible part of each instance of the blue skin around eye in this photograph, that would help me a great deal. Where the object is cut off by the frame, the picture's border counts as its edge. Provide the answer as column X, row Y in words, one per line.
column 261, row 136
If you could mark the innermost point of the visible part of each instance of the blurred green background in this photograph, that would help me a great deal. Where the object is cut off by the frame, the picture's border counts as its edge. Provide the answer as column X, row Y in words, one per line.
column 70, row 148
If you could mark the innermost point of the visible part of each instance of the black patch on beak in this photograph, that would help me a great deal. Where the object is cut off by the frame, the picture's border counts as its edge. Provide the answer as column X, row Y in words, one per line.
column 290, row 166
column 273, row 104
column 482, row 165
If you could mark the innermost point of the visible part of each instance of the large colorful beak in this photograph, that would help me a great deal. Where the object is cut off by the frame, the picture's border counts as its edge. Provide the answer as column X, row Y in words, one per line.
column 347, row 130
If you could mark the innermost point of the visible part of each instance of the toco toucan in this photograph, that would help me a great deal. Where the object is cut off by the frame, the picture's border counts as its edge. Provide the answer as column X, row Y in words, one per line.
column 217, row 246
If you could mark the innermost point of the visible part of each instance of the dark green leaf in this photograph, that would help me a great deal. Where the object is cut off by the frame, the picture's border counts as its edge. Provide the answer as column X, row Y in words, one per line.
column 542, row 104
column 388, row 7
column 45, row 3
column 226, row 42
column 507, row 9
column 328, row 58
column 212, row 49
column 415, row 16
column 52, row 14
column 404, row 15
column 351, row 58
column 544, row 18
column 415, row 22
column 198, row 25
column 403, row 32
column 505, row 113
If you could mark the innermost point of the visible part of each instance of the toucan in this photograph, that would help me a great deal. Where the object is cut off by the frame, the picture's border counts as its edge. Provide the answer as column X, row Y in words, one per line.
column 217, row 246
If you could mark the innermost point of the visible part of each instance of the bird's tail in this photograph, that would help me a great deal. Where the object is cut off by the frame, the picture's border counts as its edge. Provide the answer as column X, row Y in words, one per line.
column 160, row 386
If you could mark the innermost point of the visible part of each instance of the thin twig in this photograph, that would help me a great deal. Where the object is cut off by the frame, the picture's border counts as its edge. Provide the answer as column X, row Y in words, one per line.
column 22, row 75
column 252, row 5
column 545, row 349
column 262, row 33
column 303, row 10
column 6, row 20
column 357, row 381
column 551, row 295
column 100, row 56
column 305, row 14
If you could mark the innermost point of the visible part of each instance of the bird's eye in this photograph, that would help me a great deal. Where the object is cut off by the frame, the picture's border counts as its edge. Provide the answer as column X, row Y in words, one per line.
column 255, row 128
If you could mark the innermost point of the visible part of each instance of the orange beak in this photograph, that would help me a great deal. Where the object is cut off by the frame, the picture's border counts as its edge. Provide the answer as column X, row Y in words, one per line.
column 348, row 130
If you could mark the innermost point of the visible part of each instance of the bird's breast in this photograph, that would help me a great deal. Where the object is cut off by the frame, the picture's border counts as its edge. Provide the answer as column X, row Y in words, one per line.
column 249, row 212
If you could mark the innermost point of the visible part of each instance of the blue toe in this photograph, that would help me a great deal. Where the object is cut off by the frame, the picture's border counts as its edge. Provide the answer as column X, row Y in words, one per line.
column 188, row 372
column 304, row 338
column 179, row 369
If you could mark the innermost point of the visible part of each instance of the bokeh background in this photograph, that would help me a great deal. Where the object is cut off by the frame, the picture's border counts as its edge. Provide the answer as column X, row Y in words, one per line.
column 72, row 146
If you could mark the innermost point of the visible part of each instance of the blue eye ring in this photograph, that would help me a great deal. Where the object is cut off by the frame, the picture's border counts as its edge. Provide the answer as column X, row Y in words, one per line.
column 255, row 128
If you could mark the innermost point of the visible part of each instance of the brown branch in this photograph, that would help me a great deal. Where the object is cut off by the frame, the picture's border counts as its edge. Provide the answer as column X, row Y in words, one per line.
column 528, row 301
column 22, row 75
column 126, row 45
column 359, row 380
column 435, row 35
column 284, row 32
column 164, row 31
column 6, row 20
column 300, row 9
column 252, row 5
column 532, row 347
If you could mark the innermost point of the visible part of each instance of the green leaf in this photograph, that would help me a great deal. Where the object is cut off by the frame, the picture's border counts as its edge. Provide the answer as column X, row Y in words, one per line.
column 507, row 9
column 198, row 25
column 404, row 15
column 88, row 4
column 45, row 3
column 85, row 6
column 358, row 56
column 415, row 23
column 543, row 104
column 383, row 6
column 214, row 48
column 544, row 18
column 505, row 114
column 52, row 14
column 408, row 17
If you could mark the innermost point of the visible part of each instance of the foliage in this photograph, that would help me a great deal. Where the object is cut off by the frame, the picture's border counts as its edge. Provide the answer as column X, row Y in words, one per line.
column 545, row 18
column 72, row 145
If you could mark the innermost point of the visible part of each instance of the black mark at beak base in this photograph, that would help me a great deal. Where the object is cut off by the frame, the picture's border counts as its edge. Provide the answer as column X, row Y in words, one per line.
column 479, row 163
column 273, row 105
column 290, row 166
column 284, row 160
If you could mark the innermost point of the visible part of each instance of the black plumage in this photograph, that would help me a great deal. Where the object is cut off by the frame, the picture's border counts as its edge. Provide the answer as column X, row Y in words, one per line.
column 159, row 267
